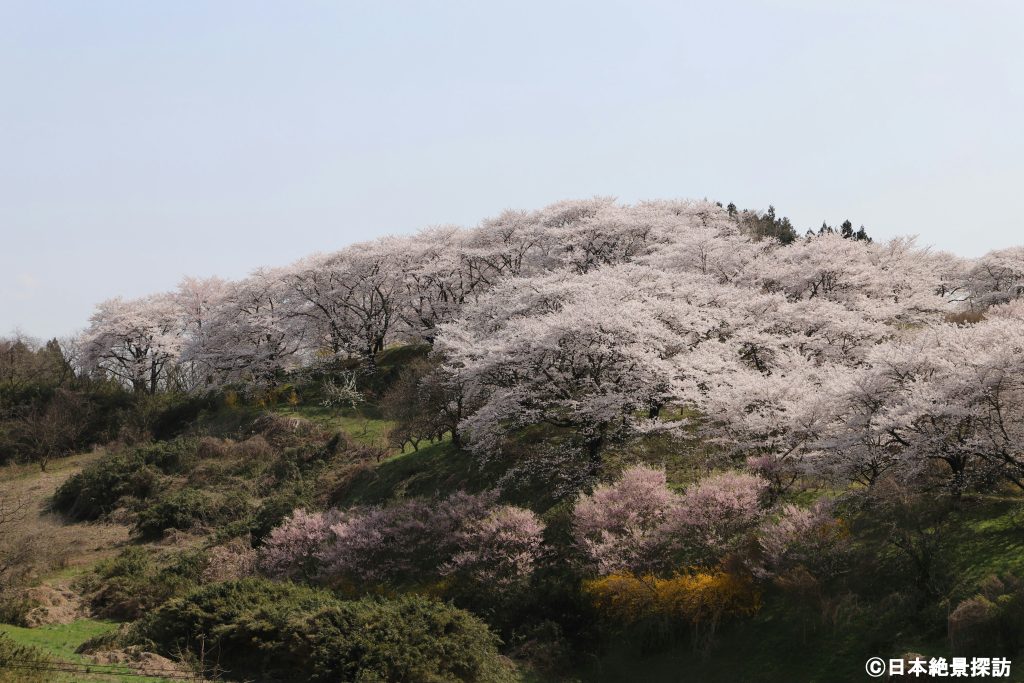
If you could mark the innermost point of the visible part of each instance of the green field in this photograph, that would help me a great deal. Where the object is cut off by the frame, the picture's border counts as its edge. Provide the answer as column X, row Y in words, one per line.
column 59, row 644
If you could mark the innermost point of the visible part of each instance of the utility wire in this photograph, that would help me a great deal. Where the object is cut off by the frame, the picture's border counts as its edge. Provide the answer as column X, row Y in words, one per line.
column 97, row 670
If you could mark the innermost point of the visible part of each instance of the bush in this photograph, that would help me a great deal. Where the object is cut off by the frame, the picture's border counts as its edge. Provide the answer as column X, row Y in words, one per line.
column 187, row 509
column 283, row 631
column 992, row 621
column 230, row 561
column 294, row 462
column 701, row 599
column 21, row 663
column 135, row 582
column 99, row 488
column 175, row 413
column 183, row 510
column 973, row 625
column 170, row 457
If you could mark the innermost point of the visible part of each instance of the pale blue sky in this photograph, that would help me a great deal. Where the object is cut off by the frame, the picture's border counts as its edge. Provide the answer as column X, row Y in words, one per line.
column 143, row 141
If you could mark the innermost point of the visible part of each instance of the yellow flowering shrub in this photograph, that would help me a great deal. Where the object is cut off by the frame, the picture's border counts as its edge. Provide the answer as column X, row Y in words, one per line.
column 696, row 597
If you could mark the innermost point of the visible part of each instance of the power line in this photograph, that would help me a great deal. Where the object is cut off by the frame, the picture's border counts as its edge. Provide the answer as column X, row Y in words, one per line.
column 97, row 670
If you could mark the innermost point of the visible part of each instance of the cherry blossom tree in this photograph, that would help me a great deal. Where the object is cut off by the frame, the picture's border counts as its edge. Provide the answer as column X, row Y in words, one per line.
column 995, row 278
column 625, row 525
column 588, row 354
column 250, row 335
column 465, row 536
column 889, row 282
column 136, row 342
column 593, row 233
column 197, row 300
column 701, row 238
column 715, row 511
column 638, row 525
column 405, row 542
column 499, row 551
column 445, row 270
column 811, row 538
column 347, row 301
column 962, row 392
column 291, row 549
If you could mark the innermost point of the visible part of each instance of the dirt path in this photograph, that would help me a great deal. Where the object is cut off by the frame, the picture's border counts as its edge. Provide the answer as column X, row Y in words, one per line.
column 54, row 550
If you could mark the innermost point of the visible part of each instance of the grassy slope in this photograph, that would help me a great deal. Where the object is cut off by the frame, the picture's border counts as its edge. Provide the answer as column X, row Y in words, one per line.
column 60, row 642
column 436, row 469
column 66, row 550
column 364, row 430
column 987, row 537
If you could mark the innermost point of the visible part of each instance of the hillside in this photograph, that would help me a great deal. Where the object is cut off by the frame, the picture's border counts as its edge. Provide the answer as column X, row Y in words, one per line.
column 593, row 442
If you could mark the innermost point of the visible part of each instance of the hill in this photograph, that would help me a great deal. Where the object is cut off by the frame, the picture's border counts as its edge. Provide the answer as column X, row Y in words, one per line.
column 589, row 442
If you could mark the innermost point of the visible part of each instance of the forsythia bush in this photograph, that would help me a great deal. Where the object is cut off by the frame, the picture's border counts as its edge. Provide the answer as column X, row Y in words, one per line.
column 698, row 598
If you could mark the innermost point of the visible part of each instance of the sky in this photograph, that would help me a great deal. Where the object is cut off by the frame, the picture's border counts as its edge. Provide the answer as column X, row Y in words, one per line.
column 144, row 141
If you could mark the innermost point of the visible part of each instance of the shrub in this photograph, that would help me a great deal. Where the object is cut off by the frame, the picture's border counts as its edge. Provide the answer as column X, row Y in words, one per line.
column 271, row 513
column 181, row 510
column 230, row 561
column 697, row 597
column 185, row 509
column 99, row 488
column 256, row 628
column 700, row 600
column 174, row 413
column 973, row 624
column 22, row 663
column 254, row 448
column 135, row 582
column 170, row 457
column 992, row 621
column 210, row 447
column 310, row 455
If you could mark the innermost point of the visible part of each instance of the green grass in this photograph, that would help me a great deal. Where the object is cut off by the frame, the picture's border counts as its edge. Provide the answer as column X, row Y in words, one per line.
column 362, row 429
column 986, row 537
column 60, row 642
column 435, row 469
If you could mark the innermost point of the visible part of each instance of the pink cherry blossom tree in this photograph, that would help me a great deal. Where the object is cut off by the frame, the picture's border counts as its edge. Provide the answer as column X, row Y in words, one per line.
column 499, row 551
column 625, row 525
column 291, row 550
